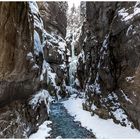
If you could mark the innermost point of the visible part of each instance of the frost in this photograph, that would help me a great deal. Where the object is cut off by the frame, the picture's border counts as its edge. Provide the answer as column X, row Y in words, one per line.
column 77, row 82
column 50, row 75
column 82, row 55
column 94, row 87
column 105, row 43
column 30, row 57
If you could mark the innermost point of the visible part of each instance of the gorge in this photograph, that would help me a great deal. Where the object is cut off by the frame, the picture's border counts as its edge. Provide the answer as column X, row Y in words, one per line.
column 69, row 72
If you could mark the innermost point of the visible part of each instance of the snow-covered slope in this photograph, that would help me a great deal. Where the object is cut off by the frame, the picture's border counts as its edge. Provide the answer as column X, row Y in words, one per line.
column 101, row 128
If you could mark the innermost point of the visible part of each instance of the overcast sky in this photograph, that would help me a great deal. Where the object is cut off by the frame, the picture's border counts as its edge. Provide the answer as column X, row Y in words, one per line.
column 71, row 2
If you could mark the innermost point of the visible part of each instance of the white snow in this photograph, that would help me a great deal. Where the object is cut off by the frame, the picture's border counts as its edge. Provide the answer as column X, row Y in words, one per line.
column 35, row 66
column 129, row 29
column 125, row 15
column 44, row 68
column 126, row 98
column 58, row 137
column 62, row 46
column 100, row 127
column 34, row 7
column 117, row 110
column 43, row 131
column 130, row 79
column 42, row 95
column 30, row 55
column 93, row 107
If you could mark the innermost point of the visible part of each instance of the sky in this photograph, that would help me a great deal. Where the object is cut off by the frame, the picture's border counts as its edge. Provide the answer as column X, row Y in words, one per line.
column 75, row 2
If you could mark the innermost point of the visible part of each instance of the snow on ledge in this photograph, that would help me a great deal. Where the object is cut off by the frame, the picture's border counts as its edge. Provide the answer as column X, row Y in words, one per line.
column 42, row 95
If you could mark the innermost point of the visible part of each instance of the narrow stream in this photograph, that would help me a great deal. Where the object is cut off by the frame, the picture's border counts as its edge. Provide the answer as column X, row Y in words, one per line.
column 63, row 124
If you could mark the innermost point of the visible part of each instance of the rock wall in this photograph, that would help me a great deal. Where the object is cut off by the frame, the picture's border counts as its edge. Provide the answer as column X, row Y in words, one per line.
column 55, row 49
column 17, row 77
column 23, row 102
column 108, row 68
column 54, row 17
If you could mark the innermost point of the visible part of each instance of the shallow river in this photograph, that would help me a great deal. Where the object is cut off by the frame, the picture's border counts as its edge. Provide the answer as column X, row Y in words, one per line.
column 64, row 125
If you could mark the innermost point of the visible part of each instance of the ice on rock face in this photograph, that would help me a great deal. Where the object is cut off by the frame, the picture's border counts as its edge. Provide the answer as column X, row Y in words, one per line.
column 35, row 12
column 38, row 23
column 74, row 58
column 37, row 44
column 34, row 7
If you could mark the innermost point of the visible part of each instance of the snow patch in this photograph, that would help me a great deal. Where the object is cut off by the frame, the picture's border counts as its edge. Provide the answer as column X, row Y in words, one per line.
column 130, row 79
column 43, row 131
column 125, row 15
column 126, row 98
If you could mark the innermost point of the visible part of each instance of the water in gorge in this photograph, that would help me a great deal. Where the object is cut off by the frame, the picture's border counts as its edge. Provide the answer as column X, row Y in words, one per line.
column 63, row 124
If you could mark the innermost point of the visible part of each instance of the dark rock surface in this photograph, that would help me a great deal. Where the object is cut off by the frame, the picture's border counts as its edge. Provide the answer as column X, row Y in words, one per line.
column 20, row 70
column 110, row 65
column 20, row 119
column 54, row 16
column 16, row 42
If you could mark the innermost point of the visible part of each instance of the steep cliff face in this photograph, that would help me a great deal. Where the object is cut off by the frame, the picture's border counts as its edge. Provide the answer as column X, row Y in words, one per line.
column 53, row 13
column 21, row 60
column 55, row 49
column 16, row 41
column 108, row 70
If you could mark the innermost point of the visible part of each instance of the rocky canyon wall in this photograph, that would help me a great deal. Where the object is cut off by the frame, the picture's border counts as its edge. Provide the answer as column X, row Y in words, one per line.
column 108, row 68
column 16, row 41
column 30, row 68
column 54, row 18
